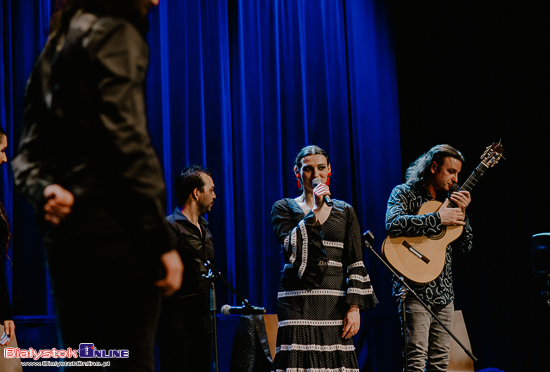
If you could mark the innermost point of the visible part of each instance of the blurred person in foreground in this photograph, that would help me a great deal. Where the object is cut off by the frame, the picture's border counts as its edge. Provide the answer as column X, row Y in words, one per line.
column 6, row 316
column 87, row 165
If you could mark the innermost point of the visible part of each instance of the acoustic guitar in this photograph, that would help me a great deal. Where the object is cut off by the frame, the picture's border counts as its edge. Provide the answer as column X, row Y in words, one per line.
column 421, row 258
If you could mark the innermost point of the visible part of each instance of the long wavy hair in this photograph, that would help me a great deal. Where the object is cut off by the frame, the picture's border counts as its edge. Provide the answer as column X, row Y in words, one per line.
column 418, row 173
column 66, row 9
column 5, row 234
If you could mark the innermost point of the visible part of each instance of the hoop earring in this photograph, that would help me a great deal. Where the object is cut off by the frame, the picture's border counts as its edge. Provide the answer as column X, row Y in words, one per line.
column 328, row 178
column 298, row 183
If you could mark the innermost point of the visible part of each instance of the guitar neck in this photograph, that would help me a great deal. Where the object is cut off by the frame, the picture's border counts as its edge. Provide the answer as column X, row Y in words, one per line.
column 471, row 181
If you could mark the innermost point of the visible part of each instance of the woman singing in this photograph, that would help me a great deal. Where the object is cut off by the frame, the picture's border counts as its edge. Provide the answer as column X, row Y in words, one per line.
column 324, row 282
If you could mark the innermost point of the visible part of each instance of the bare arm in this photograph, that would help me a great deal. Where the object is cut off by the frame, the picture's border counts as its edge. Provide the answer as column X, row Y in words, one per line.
column 9, row 329
column 352, row 322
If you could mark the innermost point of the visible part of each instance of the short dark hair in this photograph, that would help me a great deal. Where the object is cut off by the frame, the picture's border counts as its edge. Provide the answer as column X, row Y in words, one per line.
column 309, row 150
column 189, row 180
column 418, row 172
column 66, row 9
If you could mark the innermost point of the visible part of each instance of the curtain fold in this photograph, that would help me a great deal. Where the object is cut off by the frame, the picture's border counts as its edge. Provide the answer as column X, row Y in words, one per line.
column 375, row 155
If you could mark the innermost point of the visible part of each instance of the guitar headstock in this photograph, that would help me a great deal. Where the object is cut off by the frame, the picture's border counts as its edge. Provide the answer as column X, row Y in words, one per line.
column 492, row 154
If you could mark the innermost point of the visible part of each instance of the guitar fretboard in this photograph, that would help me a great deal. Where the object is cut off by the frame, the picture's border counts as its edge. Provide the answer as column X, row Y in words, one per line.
column 471, row 181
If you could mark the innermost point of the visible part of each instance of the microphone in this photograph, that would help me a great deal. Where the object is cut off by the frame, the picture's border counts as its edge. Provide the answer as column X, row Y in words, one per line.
column 243, row 310
column 368, row 238
column 327, row 199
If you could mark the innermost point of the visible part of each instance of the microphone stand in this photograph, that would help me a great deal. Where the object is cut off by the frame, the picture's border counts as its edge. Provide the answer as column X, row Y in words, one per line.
column 214, row 274
column 211, row 277
column 368, row 238
column 546, row 295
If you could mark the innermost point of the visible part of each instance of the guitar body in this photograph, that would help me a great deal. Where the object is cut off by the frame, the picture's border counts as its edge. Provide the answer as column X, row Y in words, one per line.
column 420, row 258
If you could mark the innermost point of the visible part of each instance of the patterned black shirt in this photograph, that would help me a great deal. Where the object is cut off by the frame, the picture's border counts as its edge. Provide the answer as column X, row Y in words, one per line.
column 401, row 219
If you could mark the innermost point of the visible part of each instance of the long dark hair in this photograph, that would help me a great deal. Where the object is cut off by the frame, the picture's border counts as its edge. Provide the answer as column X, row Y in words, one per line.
column 5, row 234
column 66, row 9
column 418, row 172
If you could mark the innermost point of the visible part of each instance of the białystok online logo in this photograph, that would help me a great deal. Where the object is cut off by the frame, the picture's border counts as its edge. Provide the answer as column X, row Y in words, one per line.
column 87, row 350
column 90, row 351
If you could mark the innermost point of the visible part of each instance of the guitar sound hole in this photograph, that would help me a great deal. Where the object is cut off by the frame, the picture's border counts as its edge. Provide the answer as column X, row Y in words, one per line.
column 440, row 235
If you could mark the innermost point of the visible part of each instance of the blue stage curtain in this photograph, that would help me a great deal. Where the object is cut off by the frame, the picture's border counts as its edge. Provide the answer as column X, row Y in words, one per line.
column 376, row 158
column 241, row 86
column 25, row 27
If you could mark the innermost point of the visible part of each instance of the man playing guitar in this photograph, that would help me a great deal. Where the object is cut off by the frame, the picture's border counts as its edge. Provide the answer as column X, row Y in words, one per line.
column 433, row 176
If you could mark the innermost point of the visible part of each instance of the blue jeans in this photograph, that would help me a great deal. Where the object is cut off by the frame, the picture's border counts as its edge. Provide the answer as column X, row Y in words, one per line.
column 428, row 343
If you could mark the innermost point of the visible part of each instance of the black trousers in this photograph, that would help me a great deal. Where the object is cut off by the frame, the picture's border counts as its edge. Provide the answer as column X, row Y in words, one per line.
column 103, row 286
column 185, row 335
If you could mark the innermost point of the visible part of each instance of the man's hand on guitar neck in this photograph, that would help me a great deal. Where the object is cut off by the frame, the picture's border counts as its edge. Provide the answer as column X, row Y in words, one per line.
column 461, row 199
column 455, row 216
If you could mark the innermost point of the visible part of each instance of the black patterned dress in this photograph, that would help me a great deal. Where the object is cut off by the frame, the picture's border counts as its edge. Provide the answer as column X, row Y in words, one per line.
column 323, row 275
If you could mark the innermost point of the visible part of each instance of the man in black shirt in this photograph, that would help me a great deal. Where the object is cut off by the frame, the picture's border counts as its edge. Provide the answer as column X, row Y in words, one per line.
column 185, row 333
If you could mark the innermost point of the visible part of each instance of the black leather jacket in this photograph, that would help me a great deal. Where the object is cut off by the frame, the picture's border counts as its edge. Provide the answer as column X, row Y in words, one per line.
column 85, row 129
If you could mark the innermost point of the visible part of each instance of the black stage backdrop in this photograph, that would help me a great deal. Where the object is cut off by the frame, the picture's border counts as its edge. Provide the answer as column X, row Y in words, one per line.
column 242, row 85
column 470, row 73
